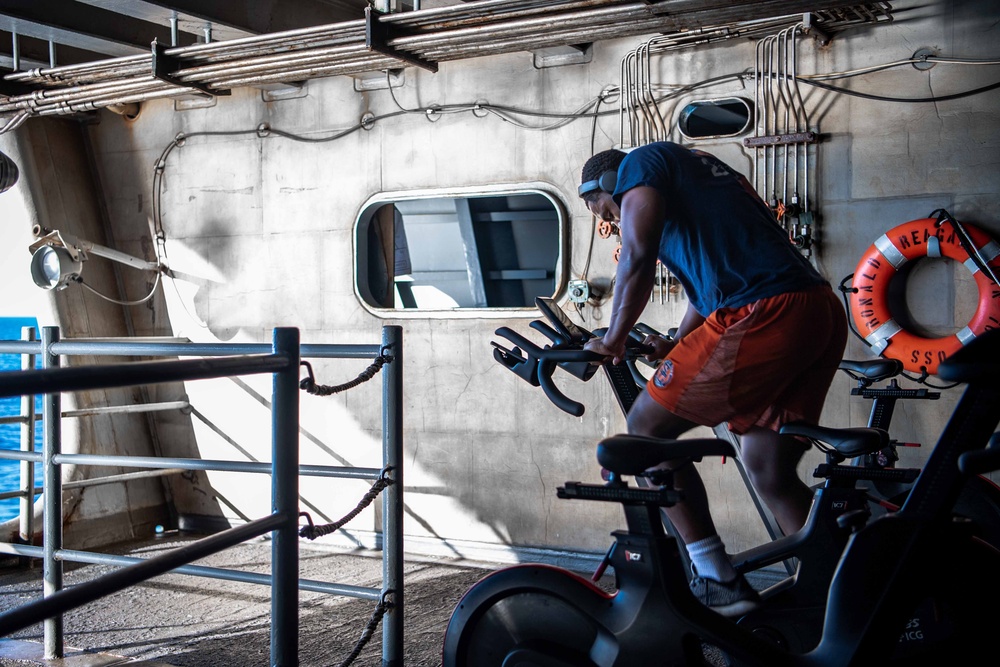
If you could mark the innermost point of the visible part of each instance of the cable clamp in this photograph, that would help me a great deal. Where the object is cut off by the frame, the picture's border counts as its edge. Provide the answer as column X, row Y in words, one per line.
column 307, row 530
column 309, row 382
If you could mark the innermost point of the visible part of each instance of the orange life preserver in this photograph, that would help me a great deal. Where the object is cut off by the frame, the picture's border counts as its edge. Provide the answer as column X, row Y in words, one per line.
column 870, row 297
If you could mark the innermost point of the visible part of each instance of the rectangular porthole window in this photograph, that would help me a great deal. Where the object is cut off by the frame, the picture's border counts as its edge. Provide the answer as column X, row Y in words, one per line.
column 475, row 252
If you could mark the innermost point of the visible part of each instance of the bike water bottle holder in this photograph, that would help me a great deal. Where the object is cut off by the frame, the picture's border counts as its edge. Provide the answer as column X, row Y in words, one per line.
column 626, row 495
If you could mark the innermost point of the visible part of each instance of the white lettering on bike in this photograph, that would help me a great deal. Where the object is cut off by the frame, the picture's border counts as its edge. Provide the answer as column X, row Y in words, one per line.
column 913, row 631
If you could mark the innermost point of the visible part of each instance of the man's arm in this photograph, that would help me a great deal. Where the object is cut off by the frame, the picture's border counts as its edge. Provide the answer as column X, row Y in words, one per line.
column 692, row 320
column 642, row 213
column 661, row 347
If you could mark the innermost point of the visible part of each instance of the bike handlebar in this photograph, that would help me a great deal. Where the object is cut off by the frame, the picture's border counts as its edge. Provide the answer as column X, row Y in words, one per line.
column 981, row 461
column 536, row 364
column 546, row 360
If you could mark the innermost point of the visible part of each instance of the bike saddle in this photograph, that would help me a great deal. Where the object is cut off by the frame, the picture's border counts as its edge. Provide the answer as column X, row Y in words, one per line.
column 634, row 454
column 873, row 370
column 849, row 442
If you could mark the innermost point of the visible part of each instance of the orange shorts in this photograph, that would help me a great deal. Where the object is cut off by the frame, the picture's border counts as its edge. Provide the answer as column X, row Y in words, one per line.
column 763, row 364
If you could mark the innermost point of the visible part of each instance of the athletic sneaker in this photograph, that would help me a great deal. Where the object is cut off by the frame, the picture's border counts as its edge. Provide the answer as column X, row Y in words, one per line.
column 731, row 598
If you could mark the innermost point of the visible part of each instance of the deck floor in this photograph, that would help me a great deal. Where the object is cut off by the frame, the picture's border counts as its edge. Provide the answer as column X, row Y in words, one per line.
column 178, row 620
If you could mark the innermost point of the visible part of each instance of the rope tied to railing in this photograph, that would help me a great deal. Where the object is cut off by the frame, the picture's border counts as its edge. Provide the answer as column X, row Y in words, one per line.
column 308, row 384
column 380, row 610
column 312, row 531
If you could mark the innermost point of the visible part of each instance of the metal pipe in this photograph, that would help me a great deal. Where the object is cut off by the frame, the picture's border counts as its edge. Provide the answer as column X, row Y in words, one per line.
column 622, row 105
column 268, row 61
column 115, row 479
column 522, row 42
column 121, row 347
column 15, row 455
column 52, row 570
column 127, row 409
column 370, row 64
column 447, row 16
column 26, row 506
column 757, row 114
column 52, row 606
column 20, row 493
column 593, row 12
column 285, row 503
column 313, row 586
column 784, row 96
column 51, row 96
column 140, row 372
column 804, row 127
column 110, row 410
column 339, row 472
column 284, row 469
column 85, row 72
column 629, row 20
column 97, row 481
column 772, row 107
column 392, row 497
column 449, row 32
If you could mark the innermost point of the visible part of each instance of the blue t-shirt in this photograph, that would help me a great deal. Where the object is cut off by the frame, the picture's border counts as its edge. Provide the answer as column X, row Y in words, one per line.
column 719, row 239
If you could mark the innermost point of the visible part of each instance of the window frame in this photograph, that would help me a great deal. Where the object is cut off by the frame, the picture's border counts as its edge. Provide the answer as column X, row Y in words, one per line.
column 717, row 101
column 360, row 248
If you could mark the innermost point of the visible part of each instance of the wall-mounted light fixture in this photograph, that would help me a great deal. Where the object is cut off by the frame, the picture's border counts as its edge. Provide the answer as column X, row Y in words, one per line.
column 57, row 258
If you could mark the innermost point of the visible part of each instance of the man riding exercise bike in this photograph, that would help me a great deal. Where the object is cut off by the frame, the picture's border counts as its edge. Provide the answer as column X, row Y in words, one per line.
column 758, row 347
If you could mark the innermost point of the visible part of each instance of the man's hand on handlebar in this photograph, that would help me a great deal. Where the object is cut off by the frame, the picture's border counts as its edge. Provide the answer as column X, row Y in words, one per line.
column 598, row 346
column 652, row 348
column 661, row 347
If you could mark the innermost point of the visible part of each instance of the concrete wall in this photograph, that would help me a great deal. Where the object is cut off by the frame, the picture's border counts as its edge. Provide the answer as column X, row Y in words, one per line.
column 259, row 234
column 57, row 189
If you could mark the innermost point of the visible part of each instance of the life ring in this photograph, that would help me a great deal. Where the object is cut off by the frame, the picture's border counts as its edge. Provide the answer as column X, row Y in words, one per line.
column 870, row 297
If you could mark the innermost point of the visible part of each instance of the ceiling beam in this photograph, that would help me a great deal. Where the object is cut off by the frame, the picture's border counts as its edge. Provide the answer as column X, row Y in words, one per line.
column 83, row 26
column 264, row 16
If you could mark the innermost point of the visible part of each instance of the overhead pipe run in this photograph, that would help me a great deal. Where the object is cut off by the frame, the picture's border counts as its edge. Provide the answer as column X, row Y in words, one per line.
column 381, row 41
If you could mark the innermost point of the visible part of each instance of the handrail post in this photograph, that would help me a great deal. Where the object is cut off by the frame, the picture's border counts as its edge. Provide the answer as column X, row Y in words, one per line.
column 26, row 507
column 392, row 497
column 52, row 569
column 285, row 502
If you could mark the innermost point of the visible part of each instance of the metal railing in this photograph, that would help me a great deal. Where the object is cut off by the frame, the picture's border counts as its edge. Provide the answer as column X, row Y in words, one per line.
column 283, row 362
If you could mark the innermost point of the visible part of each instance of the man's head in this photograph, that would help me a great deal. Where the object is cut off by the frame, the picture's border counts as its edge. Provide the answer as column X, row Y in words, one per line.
column 600, row 174
column 598, row 180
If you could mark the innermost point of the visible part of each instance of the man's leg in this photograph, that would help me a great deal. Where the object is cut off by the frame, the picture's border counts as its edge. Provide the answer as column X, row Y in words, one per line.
column 715, row 582
column 772, row 462
column 691, row 517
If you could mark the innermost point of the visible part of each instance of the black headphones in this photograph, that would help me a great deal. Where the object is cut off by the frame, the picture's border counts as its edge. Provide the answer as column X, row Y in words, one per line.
column 605, row 182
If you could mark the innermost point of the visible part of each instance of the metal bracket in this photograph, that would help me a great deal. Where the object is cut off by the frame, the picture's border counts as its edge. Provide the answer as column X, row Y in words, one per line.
column 781, row 139
column 555, row 56
column 378, row 34
column 163, row 65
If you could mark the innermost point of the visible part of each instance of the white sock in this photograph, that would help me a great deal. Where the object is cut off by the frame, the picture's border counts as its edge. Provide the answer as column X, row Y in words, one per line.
column 709, row 559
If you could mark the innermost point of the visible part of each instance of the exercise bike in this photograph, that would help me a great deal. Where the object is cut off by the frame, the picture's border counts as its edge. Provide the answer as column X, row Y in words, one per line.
column 888, row 485
column 536, row 615
column 792, row 615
